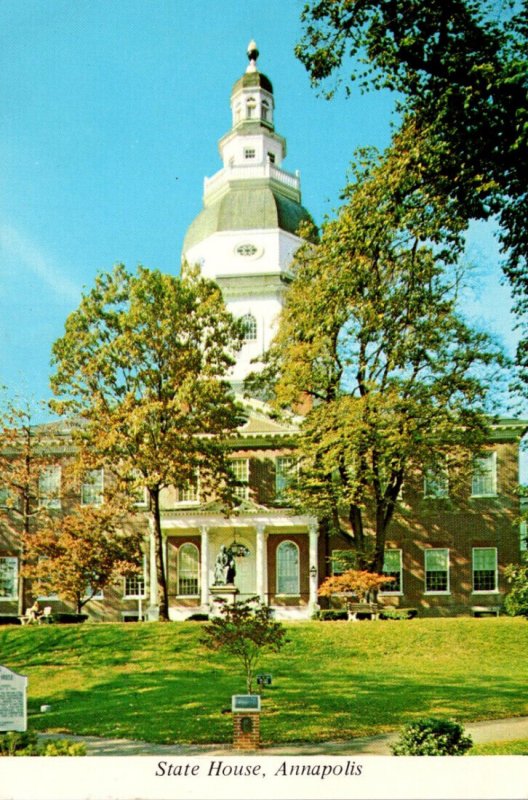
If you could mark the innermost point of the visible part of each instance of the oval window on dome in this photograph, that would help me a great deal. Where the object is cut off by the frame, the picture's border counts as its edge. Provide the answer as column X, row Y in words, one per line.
column 247, row 249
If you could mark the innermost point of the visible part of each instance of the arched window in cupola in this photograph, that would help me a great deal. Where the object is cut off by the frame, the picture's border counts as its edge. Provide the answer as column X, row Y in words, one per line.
column 251, row 107
column 249, row 326
column 265, row 111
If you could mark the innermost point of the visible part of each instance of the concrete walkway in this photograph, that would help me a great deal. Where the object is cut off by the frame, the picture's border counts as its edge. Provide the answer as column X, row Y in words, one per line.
column 486, row 731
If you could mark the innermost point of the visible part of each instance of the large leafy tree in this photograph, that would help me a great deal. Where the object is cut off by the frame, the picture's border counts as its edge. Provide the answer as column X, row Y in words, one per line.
column 396, row 378
column 142, row 363
column 460, row 68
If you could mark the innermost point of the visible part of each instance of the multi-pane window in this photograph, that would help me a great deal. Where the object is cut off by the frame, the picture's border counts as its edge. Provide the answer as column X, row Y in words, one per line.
column 484, row 480
column 264, row 110
column 287, row 568
column 92, row 488
column 484, row 569
column 436, row 570
column 247, row 250
column 240, row 467
column 8, row 577
column 285, row 468
column 392, row 567
column 436, row 482
column 188, row 569
column 249, row 327
column 190, row 493
column 337, row 562
column 250, row 107
column 134, row 586
column 250, row 152
column 49, row 486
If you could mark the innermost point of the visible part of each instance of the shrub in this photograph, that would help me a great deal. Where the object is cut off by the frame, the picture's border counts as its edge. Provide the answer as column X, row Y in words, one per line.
column 516, row 601
column 332, row 614
column 398, row 613
column 7, row 619
column 25, row 743
column 66, row 618
column 198, row 617
column 432, row 737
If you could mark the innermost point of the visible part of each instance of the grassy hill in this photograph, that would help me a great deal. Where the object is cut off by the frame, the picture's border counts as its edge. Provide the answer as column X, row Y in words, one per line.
column 334, row 680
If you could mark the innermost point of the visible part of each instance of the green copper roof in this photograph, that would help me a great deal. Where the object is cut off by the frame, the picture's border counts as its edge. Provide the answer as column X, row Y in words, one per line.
column 252, row 79
column 247, row 206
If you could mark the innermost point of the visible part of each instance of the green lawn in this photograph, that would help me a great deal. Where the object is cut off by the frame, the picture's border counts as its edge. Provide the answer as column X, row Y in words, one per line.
column 518, row 747
column 333, row 680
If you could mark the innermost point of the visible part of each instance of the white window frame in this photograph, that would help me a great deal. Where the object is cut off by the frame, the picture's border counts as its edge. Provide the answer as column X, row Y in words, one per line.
column 193, row 577
column 481, row 474
column 287, row 474
column 387, row 587
column 99, row 595
column 139, row 576
column 250, row 153
column 242, row 492
column 249, row 327
column 13, row 561
column 427, row 552
column 436, row 482
column 94, row 487
column 191, row 495
column 47, row 498
column 496, row 570
column 281, row 546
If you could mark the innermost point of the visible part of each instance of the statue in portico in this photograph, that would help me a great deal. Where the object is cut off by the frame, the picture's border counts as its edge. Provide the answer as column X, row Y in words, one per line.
column 225, row 567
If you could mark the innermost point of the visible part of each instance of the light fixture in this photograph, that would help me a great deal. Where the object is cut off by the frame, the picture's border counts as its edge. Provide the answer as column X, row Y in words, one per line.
column 313, row 571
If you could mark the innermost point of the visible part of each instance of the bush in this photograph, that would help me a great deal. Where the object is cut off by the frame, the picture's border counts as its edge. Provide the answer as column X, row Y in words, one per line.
column 398, row 613
column 25, row 743
column 332, row 614
column 198, row 617
column 7, row 619
column 516, row 601
column 67, row 618
column 432, row 737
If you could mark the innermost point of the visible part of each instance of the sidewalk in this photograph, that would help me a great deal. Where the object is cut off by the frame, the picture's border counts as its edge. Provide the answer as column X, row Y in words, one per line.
column 486, row 731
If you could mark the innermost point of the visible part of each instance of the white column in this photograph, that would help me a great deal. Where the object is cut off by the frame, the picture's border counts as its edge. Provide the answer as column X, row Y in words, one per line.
column 204, row 577
column 261, row 562
column 313, row 562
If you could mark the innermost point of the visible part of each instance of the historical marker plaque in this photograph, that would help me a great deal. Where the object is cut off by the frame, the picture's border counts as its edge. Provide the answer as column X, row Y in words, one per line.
column 13, row 700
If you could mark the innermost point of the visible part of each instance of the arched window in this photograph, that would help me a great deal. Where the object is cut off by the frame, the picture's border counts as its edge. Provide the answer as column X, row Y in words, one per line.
column 287, row 568
column 249, row 326
column 188, row 569
column 250, row 108
column 264, row 110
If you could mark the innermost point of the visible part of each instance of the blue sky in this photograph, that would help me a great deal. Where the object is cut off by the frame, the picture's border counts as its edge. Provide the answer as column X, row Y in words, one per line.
column 111, row 113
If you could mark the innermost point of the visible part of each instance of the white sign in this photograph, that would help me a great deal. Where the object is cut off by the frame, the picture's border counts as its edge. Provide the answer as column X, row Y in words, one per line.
column 13, row 700
column 245, row 702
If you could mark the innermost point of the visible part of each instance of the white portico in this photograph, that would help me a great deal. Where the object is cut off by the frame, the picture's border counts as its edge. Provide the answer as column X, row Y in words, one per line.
column 277, row 561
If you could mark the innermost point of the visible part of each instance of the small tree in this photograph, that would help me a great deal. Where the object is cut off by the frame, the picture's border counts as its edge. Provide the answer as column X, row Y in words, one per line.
column 78, row 555
column 516, row 601
column 356, row 581
column 27, row 449
column 245, row 630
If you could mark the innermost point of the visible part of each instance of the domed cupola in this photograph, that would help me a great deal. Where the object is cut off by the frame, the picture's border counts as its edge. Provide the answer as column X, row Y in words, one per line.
column 247, row 233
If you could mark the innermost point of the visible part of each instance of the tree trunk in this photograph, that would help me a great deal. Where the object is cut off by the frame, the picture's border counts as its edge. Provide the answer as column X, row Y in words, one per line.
column 160, row 561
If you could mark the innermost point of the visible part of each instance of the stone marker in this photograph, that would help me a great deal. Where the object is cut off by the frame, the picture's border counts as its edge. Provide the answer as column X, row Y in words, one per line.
column 13, row 700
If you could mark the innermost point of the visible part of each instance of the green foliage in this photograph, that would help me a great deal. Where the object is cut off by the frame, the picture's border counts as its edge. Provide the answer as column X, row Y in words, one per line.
column 432, row 737
column 516, row 601
column 332, row 614
column 397, row 378
column 26, row 743
column 142, row 364
column 398, row 613
column 460, row 68
column 245, row 630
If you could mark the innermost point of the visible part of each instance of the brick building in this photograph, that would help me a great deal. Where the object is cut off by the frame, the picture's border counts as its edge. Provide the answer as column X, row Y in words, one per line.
column 447, row 556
